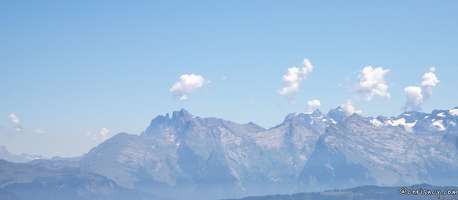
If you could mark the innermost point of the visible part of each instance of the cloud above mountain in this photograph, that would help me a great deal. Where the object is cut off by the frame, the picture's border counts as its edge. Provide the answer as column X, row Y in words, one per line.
column 188, row 84
column 312, row 104
column 349, row 107
column 15, row 119
column 430, row 80
column 102, row 136
column 416, row 96
column 371, row 81
column 293, row 78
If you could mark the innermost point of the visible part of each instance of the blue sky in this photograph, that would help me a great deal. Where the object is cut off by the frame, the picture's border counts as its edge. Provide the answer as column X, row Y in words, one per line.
column 76, row 69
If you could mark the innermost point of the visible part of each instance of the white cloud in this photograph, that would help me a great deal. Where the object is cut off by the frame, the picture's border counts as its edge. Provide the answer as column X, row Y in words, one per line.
column 429, row 81
column 103, row 134
column 39, row 130
column 224, row 77
column 188, row 84
column 349, row 107
column 17, row 128
column 372, row 82
column 15, row 119
column 416, row 96
column 293, row 79
column 313, row 104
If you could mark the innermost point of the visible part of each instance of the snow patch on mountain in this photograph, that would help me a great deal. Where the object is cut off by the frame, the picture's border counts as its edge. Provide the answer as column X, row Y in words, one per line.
column 376, row 122
column 439, row 124
column 395, row 122
column 454, row 112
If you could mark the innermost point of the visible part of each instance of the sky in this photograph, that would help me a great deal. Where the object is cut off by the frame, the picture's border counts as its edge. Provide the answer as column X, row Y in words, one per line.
column 75, row 73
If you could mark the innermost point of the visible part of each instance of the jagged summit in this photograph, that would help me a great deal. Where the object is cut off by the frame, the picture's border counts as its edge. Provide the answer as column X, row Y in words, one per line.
column 182, row 114
column 354, row 120
column 181, row 152
column 310, row 114
column 337, row 114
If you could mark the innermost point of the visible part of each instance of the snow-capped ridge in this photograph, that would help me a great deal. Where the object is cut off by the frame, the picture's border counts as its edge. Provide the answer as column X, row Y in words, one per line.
column 454, row 111
column 186, row 152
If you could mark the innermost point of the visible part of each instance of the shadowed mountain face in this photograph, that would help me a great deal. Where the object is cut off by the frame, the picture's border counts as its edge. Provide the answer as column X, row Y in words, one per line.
column 193, row 157
column 26, row 182
column 188, row 157
column 355, row 152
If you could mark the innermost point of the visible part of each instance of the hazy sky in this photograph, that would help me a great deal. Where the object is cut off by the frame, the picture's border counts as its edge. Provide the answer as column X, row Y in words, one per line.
column 73, row 73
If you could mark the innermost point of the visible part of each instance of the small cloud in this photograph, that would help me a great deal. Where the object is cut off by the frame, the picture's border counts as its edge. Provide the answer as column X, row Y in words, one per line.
column 15, row 119
column 416, row 96
column 313, row 104
column 252, row 103
column 349, row 107
column 224, row 77
column 371, row 81
column 17, row 128
column 102, row 136
column 293, row 78
column 429, row 81
column 39, row 130
column 188, row 84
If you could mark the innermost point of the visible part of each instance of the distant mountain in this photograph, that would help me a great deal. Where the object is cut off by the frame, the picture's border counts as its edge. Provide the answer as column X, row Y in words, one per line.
column 189, row 156
column 23, row 182
column 355, row 152
column 57, row 162
column 182, row 156
column 23, row 158
column 436, row 122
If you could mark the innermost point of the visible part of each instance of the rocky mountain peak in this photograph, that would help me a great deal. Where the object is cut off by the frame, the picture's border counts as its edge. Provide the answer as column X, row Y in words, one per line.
column 337, row 114
column 182, row 116
column 354, row 119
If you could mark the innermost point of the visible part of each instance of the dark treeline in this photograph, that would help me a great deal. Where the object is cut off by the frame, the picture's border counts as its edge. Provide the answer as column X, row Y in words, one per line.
column 364, row 193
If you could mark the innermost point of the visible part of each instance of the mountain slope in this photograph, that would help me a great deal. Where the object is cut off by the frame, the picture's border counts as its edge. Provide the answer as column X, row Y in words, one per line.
column 23, row 158
column 24, row 181
column 185, row 156
column 356, row 152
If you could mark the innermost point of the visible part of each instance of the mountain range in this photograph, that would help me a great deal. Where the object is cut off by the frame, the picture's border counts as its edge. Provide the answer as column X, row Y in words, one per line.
column 183, row 156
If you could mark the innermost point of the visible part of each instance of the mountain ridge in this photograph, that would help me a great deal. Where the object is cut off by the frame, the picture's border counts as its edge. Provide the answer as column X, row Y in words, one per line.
column 278, row 158
column 180, row 155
